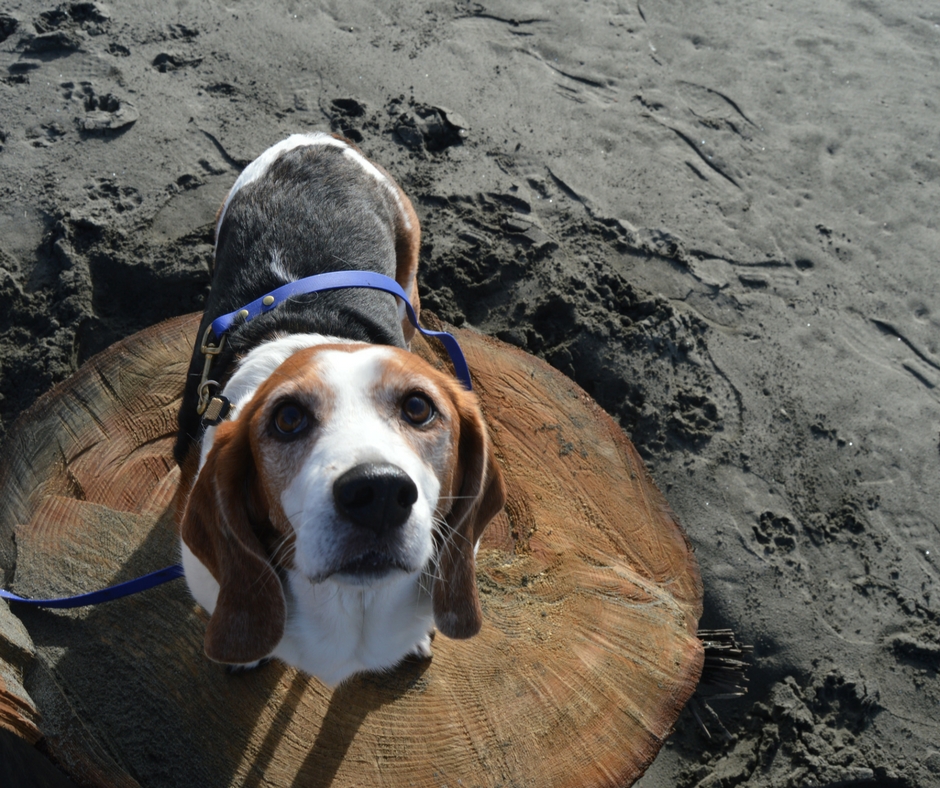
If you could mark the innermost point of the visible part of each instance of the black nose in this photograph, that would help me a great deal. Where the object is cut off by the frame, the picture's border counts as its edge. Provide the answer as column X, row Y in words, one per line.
column 375, row 495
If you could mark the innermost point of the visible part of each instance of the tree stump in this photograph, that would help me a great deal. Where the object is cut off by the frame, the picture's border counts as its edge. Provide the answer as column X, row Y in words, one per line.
column 590, row 591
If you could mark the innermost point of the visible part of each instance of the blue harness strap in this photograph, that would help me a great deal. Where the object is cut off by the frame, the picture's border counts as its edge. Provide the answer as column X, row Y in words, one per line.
column 339, row 280
column 335, row 280
column 105, row 594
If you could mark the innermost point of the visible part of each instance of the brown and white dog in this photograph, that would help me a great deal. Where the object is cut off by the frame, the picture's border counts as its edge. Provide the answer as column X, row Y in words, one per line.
column 332, row 519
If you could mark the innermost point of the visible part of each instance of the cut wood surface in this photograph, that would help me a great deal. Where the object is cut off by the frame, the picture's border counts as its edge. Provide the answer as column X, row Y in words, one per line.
column 591, row 596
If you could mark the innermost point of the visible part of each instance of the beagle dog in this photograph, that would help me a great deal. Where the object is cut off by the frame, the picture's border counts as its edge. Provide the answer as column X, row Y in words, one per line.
column 331, row 518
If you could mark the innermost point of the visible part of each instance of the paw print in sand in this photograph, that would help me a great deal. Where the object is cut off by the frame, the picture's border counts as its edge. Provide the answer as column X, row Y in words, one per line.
column 102, row 111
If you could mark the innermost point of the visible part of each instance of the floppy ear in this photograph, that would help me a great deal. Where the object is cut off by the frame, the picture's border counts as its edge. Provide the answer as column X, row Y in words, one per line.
column 407, row 249
column 479, row 495
column 248, row 620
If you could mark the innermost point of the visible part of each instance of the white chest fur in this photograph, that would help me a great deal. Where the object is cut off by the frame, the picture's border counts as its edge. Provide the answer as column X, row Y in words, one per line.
column 334, row 630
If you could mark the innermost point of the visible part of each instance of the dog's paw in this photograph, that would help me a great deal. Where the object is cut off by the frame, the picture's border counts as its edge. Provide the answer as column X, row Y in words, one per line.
column 237, row 670
column 422, row 649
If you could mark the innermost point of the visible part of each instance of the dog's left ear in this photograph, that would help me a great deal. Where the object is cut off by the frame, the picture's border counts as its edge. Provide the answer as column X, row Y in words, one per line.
column 479, row 495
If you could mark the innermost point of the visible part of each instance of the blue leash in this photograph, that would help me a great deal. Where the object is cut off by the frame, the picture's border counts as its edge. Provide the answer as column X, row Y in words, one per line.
column 335, row 280
column 105, row 594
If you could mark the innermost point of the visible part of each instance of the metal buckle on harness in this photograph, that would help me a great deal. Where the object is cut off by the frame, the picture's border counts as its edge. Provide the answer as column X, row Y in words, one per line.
column 210, row 352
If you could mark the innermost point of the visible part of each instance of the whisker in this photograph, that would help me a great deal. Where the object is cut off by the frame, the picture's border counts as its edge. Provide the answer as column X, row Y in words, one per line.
column 283, row 548
column 449, row 532
column 449, row 539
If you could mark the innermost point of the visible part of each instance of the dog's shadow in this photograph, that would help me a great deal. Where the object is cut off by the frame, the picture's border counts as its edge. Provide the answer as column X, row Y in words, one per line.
column 350, row 705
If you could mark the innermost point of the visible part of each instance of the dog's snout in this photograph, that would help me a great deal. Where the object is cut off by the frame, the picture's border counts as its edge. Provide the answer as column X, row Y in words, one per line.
column 377, row 496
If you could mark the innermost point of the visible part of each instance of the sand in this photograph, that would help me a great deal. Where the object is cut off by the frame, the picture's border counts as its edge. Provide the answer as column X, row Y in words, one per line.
column 720, row 219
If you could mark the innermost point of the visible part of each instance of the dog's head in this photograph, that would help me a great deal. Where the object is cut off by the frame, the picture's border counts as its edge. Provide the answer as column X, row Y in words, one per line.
column 350, row 464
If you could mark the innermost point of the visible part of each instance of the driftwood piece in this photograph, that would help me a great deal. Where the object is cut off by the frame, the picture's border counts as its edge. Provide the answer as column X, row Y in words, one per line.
column 591, row 596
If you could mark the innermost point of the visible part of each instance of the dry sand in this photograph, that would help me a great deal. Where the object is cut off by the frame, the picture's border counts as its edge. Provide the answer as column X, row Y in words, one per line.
column 719, row 218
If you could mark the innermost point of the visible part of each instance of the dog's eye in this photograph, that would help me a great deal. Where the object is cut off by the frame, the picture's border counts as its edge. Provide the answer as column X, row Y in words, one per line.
column 418, row 409
column 289, row 419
